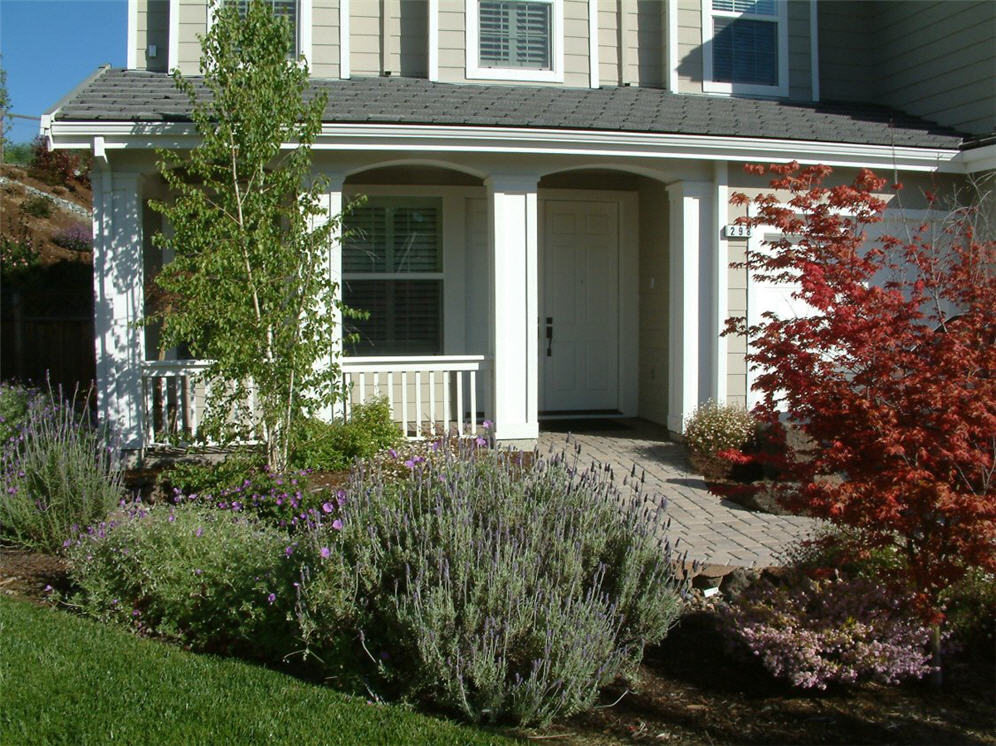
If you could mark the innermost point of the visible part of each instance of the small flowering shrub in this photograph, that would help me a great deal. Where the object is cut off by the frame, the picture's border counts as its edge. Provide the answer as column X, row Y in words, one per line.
column 77, row 237
column 714, row 429
column 195, row 477
column 496, row 590
column 59, row 472
column 815, row 632
column 15, row 401
column 213, row 579
column 335, row 446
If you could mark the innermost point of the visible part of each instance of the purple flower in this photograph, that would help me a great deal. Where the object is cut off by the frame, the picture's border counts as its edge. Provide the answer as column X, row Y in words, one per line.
column 325, row 552
column 48, row 589
column 487, row 424
column 393, row 453
column 273, row 596
column 198, row 532
column 481, row 441
column 327, row 507
column 337, row 524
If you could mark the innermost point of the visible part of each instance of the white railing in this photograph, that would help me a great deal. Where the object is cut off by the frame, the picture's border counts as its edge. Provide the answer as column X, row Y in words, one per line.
column 426, row 394
column 174, row 396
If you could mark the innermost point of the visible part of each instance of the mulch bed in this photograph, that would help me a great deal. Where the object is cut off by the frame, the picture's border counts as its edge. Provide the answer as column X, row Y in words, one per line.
column 693, row 691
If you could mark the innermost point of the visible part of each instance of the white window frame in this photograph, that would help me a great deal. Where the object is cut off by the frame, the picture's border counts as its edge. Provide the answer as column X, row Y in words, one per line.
column 400, row 199
column 474, row 70
column 749, row 89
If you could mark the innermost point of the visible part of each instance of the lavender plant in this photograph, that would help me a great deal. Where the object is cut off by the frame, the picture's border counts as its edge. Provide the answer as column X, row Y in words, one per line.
column 15, row 402
column 495, row 588
column 213, row 579
column 814, row 632
column 59, row 472
column 77, row 237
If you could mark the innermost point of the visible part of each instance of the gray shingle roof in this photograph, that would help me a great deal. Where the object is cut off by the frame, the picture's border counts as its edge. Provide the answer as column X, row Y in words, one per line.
column 138, row 96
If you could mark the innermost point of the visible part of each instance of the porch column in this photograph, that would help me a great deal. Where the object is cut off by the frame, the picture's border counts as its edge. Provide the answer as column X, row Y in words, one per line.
column 119, row 299
column 691, row 222
column 513, row 305
column 331, row 202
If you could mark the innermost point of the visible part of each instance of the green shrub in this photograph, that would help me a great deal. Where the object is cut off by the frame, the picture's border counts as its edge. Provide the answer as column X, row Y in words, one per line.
column 716, row 428
column 335, row 446
column 493, row 589
column 61, row 474
column 196, row 477
column 212, row 579
column 15, row 402
column 37, row 206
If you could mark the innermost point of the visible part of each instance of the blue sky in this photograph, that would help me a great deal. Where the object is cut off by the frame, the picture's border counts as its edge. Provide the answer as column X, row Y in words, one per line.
column 49, row 46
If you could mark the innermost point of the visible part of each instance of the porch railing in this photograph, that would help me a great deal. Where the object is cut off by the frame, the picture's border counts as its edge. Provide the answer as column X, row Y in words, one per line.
column 426, row 394
column 174, row 396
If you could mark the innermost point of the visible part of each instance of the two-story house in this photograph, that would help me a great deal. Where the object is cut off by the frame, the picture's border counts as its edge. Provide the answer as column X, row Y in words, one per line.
column 547, row 225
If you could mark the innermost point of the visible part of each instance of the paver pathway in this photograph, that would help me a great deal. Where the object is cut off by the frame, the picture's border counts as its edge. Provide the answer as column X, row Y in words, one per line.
column 711, row 529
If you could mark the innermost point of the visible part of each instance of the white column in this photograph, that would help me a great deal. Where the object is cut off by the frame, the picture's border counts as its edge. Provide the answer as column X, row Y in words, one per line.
column 719, row 266
column 691, row 223
column 513, row 306
column 332, row 202
column 119, row 293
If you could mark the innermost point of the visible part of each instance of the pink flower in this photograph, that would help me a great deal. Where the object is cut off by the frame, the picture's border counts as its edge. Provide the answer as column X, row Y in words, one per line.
column 327, row 507
column 337, row 524
column 325, row 552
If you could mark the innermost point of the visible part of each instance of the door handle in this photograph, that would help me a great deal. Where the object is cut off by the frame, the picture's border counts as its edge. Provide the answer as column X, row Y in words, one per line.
column 549, row 336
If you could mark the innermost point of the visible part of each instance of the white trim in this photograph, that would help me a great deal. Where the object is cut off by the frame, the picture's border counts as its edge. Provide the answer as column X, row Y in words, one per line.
column 733, row 89
column 814, row 49
column 720, row 283
column 132, row 37
column 433, row 40
column 344, row 68
column 978, row 159
column 672, row 46
column 475, row 72
column 173, row 54
column 594, row 78
column 455, row 138
column 305, row 19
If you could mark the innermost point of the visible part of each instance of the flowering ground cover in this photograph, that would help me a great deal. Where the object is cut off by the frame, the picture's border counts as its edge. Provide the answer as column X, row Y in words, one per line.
column 70, row 680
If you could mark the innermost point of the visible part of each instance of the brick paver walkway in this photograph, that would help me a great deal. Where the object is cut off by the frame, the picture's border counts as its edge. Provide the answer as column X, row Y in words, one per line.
column 711, row 529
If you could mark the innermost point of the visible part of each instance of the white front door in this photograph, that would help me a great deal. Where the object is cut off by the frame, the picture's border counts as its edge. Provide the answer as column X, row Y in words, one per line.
column 579, row 307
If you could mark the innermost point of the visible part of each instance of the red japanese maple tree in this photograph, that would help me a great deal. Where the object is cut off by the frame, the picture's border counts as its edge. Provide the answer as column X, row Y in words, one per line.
column 892, row 376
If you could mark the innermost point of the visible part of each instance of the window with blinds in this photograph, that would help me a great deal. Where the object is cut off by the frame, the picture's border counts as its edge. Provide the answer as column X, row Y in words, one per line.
column 745, row 42
column 392, row 269
column 515, row 33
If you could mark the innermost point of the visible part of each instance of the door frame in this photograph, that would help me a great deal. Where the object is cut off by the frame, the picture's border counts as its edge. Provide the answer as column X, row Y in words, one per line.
column 628, row 321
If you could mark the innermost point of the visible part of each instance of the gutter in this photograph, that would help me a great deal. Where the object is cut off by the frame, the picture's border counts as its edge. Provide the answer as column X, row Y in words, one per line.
column 118, row 135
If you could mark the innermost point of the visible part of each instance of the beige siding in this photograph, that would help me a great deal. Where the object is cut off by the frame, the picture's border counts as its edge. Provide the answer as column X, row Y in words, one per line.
column 689, row 46
column 576, row 69
column 651, row 32
column 152, row 29
column 845, row 51
column 799, row 54
column 365, row 38
column 193, row 23
column 736, row 346
column 325, row 38
column 608, row 43
column 452, row 50
column 938, row 60
column 653, row 273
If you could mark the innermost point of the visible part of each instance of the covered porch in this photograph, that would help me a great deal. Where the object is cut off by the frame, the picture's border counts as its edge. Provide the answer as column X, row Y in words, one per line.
column 549, row 288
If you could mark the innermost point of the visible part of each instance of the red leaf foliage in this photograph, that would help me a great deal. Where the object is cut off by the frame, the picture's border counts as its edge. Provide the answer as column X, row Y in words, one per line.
column 894, row 374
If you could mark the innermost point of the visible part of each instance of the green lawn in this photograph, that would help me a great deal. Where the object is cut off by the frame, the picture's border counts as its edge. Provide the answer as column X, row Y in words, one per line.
column 64, row 679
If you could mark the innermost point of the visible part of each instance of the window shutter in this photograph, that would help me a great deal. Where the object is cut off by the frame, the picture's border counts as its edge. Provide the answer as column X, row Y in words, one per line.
column 405, row 316
column 754, row 7
column 365, row 245
column 515, row 34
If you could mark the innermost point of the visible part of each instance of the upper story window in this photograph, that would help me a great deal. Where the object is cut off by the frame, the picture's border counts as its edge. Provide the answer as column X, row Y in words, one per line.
column 515, row 40
column 282, row 9
column 745, row 47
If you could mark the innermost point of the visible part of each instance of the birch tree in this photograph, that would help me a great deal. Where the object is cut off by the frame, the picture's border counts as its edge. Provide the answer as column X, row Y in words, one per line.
column 248, row 286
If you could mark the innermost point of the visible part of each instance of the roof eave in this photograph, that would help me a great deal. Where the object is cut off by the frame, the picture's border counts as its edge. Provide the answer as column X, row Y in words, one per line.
column 120, row 135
